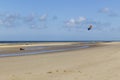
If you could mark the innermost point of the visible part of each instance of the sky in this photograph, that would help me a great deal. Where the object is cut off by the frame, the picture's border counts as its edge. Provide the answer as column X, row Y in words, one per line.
column 59, row 20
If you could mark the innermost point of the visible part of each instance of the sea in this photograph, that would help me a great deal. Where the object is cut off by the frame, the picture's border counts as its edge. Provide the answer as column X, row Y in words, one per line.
column 54, row 41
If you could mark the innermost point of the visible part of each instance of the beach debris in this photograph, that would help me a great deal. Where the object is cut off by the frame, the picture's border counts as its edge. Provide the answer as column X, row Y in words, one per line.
column 64, row 71
column 49, row 72
column 90, row 27
column 57, row 70
column 79, row 71
column 21, row 49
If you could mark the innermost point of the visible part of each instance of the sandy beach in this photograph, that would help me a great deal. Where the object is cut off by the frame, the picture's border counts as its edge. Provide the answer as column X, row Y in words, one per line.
column 95, row 63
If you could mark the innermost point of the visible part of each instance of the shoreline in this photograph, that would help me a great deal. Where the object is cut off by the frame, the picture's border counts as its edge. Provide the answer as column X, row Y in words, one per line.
column 43, row 49
column 41, row 52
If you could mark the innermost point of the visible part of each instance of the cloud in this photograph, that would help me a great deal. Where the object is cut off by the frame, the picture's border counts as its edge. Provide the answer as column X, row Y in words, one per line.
column 105, row 10
column 9, row 20
column 80, row 19
column 75, row 22
column 34, row 21
column 29, row 18
column 71, row 22
column 82, row 23
column 109, row 12
column 43, row 17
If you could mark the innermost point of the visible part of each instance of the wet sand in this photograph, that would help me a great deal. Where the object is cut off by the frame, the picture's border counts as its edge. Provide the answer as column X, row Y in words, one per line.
column 95, row 63
column 40, row 48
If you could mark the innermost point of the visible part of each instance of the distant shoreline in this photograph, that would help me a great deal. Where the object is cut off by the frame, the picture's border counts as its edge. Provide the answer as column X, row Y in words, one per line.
column 57, row 41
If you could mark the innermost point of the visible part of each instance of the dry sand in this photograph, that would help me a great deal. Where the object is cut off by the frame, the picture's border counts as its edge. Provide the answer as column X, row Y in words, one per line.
column 97, row 63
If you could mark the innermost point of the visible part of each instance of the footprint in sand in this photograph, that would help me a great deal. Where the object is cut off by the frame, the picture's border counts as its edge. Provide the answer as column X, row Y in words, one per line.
column 13, row 77
column 49, row 72
column 57, row 70
column 64, row 71
column 79, row 71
